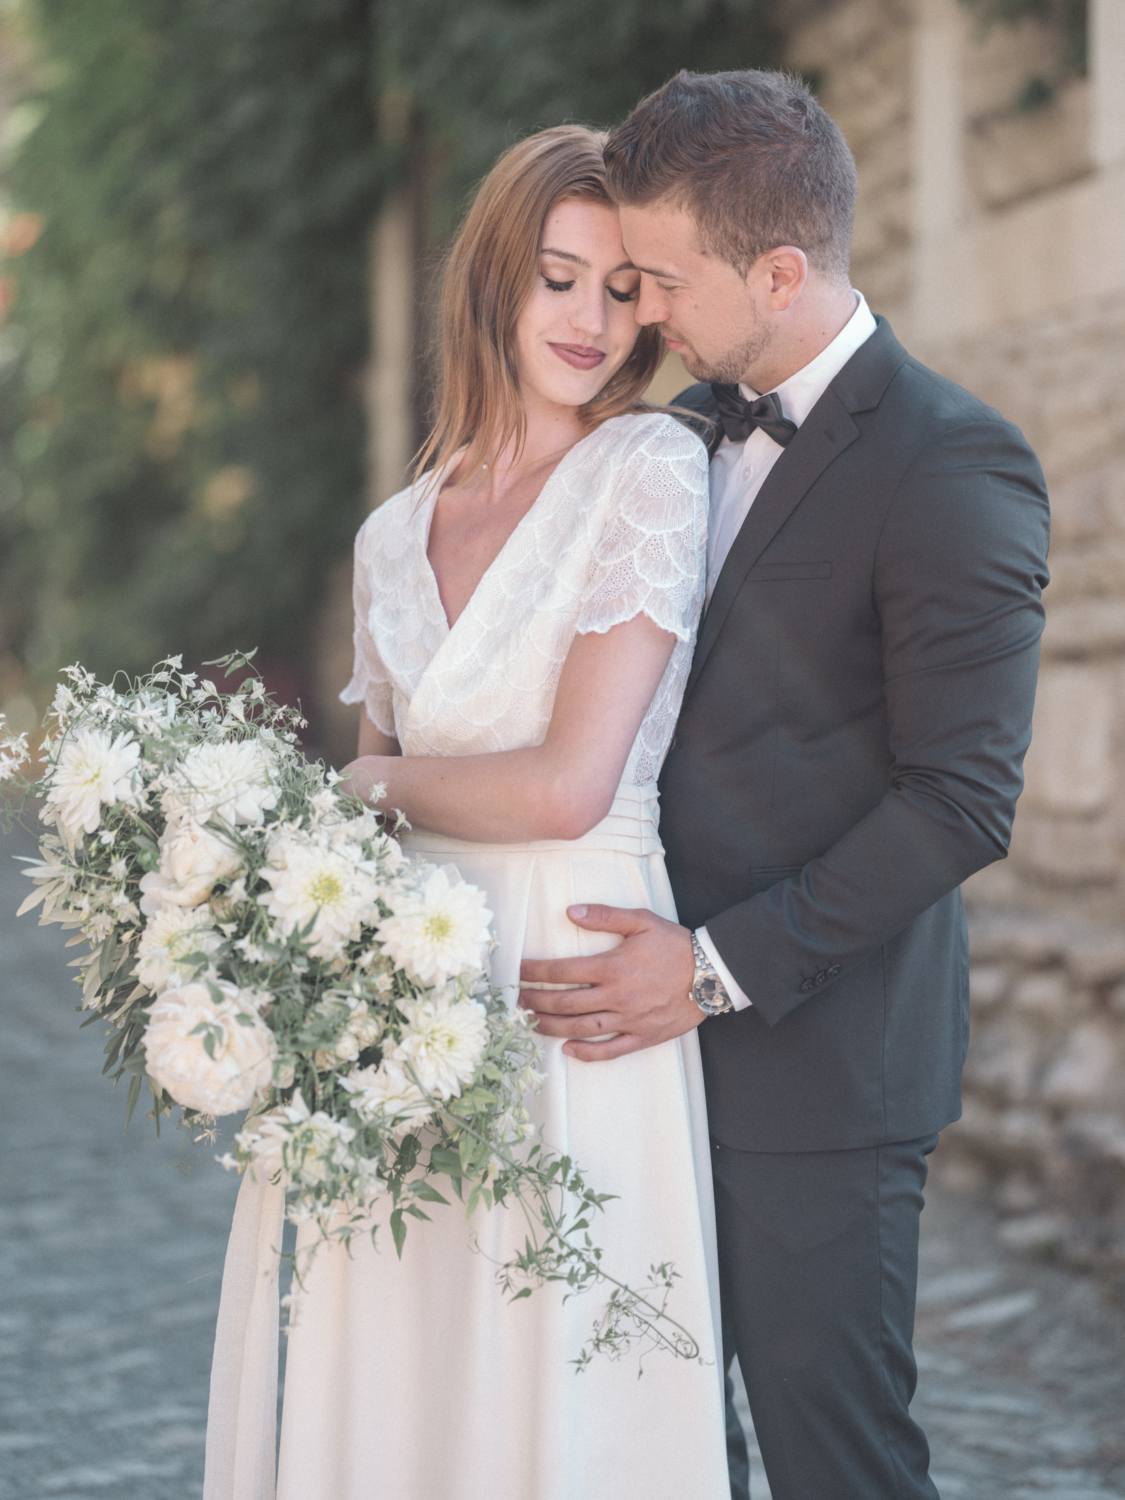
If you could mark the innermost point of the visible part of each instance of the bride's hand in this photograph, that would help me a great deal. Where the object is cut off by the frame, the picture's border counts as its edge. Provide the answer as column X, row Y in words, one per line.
column 641, row 989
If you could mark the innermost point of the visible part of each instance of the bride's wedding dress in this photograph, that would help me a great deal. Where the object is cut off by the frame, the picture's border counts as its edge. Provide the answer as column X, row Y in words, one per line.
column 415, row 1379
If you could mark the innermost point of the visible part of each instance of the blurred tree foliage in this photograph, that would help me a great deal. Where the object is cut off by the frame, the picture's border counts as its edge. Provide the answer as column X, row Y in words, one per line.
column 488, row 71
column 181, row 424
column 182, row 444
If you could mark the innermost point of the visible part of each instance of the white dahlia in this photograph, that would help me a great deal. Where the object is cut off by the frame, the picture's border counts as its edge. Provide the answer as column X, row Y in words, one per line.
column 92, row 769
column 168, row 938
column 232, row 781
column 438, row 932
column 192, row 859
column 213, row 1057
column 314, row 884
column 386, row 1093
column 443, row 1043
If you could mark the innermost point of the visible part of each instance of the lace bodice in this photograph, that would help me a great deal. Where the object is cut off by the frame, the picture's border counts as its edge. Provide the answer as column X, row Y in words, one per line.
column 618, row 530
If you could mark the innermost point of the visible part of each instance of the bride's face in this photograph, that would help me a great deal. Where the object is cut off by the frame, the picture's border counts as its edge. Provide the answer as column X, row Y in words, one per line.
column 579, row 325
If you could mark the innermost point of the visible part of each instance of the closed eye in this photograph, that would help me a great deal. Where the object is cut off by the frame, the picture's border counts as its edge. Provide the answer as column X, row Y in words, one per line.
column 558, row 286
column 621, row 296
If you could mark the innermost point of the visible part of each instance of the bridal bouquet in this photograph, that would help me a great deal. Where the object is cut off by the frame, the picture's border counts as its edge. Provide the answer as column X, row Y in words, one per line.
column 256, row 940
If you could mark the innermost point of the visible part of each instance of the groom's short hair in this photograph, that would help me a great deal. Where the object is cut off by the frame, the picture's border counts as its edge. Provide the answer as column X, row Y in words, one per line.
column 751, row 156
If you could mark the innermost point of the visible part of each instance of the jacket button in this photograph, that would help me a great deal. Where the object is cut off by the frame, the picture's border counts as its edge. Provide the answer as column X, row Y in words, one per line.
column 806, row 986
column 834, row 970
column 821, row 977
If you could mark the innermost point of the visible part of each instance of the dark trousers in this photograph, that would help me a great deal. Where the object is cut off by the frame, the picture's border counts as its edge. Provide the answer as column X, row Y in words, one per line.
column 818, row 1267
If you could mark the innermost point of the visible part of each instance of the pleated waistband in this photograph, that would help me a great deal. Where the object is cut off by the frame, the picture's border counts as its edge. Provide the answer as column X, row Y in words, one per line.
column 630, row 827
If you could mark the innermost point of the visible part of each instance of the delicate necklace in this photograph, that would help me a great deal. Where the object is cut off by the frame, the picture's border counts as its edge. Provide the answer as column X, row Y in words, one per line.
column 528, row 463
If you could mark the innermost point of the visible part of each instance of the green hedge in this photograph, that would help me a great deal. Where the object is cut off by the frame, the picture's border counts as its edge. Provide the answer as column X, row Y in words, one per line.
column 181, row 431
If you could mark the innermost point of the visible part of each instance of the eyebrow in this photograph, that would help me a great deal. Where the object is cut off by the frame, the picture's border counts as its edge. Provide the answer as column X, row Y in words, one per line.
column 660, row 275
column 626, row 265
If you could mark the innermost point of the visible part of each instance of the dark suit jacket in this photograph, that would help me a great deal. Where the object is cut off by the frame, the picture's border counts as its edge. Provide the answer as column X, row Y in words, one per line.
column 850, row 749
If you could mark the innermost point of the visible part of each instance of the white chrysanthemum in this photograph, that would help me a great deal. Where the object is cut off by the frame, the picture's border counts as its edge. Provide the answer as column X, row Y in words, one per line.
column 444, row 1042
column 92, row 769
column 439, row 932
column 168, row 938
column 232, row 781
column 314, row 884
column 192, row 859
column 385, row 1093
column 216, row 1058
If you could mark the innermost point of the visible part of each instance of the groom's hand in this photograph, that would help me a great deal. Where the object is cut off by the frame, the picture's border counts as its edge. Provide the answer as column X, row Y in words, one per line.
column 640, row 989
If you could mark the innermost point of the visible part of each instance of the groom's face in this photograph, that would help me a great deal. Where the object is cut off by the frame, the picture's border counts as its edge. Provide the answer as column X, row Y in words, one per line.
column 709, row 314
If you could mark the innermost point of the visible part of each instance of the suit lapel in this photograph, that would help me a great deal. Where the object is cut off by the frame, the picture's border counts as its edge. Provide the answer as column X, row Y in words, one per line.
column 824, row 435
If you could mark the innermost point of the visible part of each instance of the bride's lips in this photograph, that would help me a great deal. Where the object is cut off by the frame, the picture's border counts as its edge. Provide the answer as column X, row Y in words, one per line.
column 579, row 356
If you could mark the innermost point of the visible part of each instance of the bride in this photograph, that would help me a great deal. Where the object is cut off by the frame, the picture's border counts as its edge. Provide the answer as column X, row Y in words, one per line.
column 525, row 618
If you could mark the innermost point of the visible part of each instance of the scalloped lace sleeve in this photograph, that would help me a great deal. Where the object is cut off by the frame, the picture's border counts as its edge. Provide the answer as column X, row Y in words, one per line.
column 370, row 683
column 649, row 560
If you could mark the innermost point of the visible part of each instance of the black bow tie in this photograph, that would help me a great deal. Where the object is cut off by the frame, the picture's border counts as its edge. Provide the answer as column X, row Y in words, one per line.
column 739, row 416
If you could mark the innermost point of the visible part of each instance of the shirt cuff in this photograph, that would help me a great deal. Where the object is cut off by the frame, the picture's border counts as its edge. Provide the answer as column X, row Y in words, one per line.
column 740, row 1000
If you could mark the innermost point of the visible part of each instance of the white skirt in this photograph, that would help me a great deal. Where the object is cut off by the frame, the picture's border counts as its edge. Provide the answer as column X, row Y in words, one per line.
column 415, row 1379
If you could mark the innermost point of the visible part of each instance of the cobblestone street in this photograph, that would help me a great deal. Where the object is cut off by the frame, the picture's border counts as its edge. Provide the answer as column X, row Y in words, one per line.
column 110, row 1261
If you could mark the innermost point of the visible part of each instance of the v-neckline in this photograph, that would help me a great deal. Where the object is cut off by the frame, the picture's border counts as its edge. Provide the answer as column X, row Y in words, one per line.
column 431, row 505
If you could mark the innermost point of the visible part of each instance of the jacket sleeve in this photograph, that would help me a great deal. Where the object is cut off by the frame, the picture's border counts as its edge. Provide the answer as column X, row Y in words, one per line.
column 959, row 570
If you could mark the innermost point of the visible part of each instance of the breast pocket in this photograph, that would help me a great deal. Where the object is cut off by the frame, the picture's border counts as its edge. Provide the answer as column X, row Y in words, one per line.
column 783, row 572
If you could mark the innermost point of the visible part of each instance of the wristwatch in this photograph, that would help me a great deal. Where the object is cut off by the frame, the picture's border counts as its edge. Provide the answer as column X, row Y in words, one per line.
column 707, row 989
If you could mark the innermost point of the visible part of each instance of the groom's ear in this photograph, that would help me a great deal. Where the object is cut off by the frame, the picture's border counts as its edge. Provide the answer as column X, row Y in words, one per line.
column 782, row 274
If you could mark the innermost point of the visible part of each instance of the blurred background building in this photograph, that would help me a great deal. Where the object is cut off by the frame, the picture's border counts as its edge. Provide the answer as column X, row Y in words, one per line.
column 221, row 226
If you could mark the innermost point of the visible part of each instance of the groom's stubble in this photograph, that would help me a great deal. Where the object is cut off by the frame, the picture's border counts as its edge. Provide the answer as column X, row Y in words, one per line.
column 731, row 366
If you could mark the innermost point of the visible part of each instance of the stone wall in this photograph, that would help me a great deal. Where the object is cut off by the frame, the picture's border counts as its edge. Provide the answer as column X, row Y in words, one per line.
column 1044, row 1121
column 992, row 237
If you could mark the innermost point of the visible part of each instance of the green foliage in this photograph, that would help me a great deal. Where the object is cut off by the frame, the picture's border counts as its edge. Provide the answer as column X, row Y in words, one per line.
column 194, row 308
column 181, row 429
column 485, row 72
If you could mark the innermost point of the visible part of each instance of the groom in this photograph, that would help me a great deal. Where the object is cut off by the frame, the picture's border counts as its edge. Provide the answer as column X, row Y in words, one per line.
column 848, row 752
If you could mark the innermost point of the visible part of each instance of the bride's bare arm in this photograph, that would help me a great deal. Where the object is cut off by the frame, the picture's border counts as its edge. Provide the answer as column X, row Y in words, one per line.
column 557, row 790
column 373, row 741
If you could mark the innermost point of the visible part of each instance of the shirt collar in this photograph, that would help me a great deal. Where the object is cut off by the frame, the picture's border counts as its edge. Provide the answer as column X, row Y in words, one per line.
column 800, row 393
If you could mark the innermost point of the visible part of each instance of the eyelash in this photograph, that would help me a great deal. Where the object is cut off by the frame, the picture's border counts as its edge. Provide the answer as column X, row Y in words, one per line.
column 565, row 286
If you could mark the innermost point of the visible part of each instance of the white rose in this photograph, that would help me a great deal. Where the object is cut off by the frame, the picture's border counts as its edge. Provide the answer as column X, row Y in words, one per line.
column 92, row 769
column 213, row 1057
column 438, row 932
column 231, row 781
column 366, row 1027
column 168, row 938
column 192, row 859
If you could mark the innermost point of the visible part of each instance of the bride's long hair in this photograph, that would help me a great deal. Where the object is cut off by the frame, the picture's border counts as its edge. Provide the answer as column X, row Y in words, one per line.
column 489, row 276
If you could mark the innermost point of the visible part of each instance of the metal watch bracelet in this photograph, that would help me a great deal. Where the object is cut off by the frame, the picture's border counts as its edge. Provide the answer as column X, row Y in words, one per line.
column 707, row 989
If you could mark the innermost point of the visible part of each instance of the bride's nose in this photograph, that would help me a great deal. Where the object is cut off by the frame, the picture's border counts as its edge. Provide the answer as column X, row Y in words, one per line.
column 588, row 315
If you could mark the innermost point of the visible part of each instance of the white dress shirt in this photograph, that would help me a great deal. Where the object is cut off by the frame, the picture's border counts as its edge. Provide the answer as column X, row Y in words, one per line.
column 738, row 471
